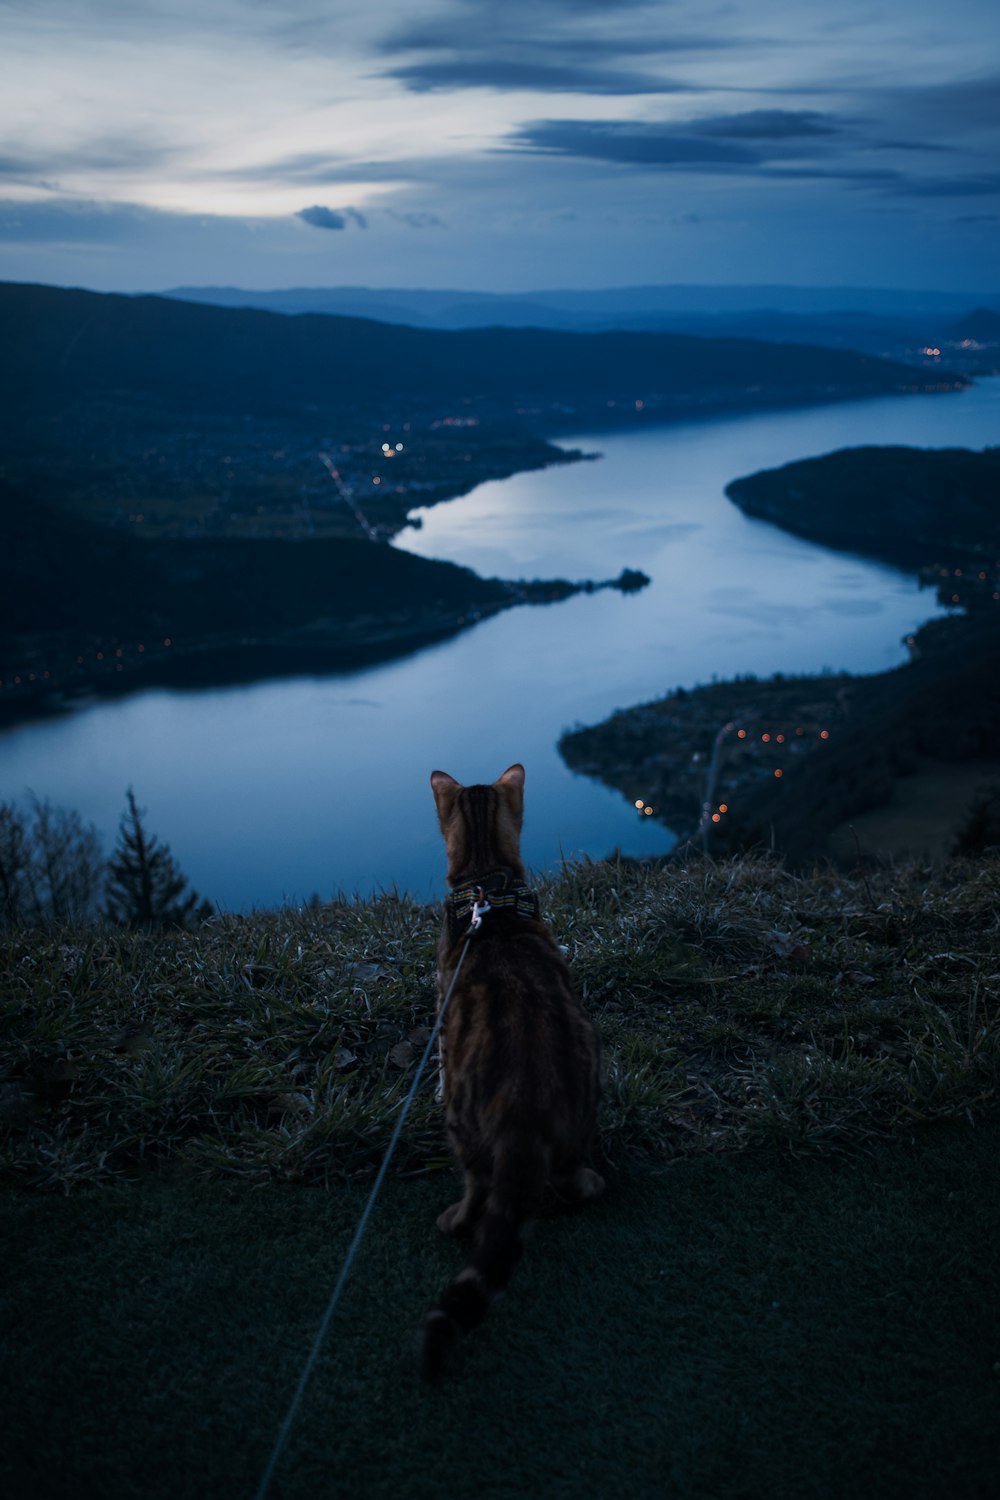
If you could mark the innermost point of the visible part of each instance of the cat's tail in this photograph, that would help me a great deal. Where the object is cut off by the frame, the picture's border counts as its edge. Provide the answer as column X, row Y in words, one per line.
column 518, row 1181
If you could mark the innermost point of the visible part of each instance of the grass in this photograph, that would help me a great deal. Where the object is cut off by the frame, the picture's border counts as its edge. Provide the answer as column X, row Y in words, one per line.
column 732, row 1327
column 790, row 1289
column 739, row 1007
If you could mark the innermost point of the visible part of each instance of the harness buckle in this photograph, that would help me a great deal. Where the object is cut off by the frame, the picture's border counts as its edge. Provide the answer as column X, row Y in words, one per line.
column 480, row 907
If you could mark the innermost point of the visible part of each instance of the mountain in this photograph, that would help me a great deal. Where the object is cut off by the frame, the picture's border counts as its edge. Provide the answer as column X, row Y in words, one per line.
column 919, row 505
column 635, row 307
column 892, row 325
column 64, row 346
column 982, row 324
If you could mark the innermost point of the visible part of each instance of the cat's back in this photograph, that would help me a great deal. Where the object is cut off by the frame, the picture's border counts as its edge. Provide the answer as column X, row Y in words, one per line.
column 517, row 1036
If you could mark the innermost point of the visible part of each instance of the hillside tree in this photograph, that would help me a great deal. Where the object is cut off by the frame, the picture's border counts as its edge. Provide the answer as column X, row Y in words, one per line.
column 145, row 888
column 51, row 865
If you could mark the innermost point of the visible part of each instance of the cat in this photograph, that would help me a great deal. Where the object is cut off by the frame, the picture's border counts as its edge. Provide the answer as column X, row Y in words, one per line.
column 520, row 1060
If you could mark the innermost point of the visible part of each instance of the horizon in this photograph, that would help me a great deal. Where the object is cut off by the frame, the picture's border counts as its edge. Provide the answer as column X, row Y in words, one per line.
column 175, row 291
column 470, row 146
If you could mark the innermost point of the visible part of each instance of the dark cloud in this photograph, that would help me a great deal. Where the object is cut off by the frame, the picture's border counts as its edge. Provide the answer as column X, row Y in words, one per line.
column 322, row 218
column 908, row 146
column 525, row 74
column 769, row 125
column 797, row 145
column 747, row 140
column 630, row 143
column 538, row 36
column 550, row 47
column 331, row 218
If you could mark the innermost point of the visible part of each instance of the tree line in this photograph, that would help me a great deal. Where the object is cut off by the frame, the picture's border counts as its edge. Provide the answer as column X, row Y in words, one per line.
column 53, row 872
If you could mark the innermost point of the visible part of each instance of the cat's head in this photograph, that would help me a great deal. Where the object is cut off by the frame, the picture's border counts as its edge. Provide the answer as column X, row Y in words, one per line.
column 481, row 824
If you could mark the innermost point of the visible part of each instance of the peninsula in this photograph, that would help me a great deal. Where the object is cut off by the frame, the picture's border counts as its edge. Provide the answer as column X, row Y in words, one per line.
column 784, row 762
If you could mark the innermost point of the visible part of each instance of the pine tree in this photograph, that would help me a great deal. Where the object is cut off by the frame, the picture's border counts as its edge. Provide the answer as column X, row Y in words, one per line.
column 145, row 887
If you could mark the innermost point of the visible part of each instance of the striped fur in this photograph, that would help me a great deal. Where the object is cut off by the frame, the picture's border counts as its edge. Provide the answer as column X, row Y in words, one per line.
column 520, row 1058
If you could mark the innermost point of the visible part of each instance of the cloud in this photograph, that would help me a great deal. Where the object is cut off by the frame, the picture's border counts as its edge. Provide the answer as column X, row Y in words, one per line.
column 101, row 154
column 772, row 144
column 769, row 125
column 743, row 141
column 555, row 47
column 527, row 75
column 331, row 218
column 630, row 143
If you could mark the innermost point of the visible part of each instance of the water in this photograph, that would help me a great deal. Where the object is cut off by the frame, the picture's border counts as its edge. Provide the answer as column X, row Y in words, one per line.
column 272, row 791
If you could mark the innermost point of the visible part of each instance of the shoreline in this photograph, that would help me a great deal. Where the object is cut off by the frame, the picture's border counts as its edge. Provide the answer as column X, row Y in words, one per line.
column 230, row 658
column 784, row 762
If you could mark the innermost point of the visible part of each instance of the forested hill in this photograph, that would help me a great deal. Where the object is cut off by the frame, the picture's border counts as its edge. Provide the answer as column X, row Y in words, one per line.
column 907, row 505
column 62, row 347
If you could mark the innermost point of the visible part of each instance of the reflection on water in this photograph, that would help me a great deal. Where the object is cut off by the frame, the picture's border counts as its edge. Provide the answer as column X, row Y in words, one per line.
column 271, row 791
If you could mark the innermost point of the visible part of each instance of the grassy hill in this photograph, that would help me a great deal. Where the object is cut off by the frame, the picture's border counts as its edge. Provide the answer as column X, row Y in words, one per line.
column 739, row 1007
column 791, row 1281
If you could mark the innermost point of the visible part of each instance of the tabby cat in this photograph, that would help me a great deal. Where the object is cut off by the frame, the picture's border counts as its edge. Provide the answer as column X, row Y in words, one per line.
column 519, row 1057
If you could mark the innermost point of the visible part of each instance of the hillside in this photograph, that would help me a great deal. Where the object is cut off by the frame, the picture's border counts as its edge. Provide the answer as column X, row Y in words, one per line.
column 914, row 506
column 982, row 324
column 69, row 346
column 891, row 325
column 82, row 605
column 791, row 1280
column 738, row 1007
column 782, row 762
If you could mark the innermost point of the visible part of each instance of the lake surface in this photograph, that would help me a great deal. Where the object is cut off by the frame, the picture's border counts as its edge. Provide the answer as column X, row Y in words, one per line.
column 268, row 792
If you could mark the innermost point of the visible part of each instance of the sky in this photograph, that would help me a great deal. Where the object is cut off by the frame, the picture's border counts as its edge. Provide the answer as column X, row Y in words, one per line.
column 499, row 145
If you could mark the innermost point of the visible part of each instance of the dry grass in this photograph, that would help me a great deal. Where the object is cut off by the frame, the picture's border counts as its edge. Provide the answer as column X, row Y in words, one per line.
column 738, row 1006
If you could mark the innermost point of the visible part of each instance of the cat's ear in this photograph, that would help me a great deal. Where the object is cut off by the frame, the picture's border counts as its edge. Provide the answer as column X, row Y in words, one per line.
column 512, row 782
column 513, row 776
column 445, row 789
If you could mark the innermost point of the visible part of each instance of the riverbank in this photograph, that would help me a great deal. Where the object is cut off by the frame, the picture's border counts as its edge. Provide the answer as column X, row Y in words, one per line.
column 914, row 507
column 212, row 613
column 783, row 762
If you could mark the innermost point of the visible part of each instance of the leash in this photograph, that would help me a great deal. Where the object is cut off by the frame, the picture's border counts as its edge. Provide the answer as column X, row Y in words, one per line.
column 479, row 910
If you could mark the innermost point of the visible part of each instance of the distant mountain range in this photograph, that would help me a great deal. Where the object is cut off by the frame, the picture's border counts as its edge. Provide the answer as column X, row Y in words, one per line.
column 871, row 320
column 64, row 345
column 613, row 307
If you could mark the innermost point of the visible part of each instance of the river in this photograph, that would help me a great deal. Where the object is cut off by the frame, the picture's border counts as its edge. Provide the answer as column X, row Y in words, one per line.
column 271, row 791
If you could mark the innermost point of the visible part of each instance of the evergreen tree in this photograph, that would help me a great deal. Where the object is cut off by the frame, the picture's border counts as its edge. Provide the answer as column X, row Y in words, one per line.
column 145, row 888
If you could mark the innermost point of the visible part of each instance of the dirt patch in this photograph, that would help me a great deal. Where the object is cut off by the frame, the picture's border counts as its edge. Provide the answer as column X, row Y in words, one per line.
column 923, row 815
